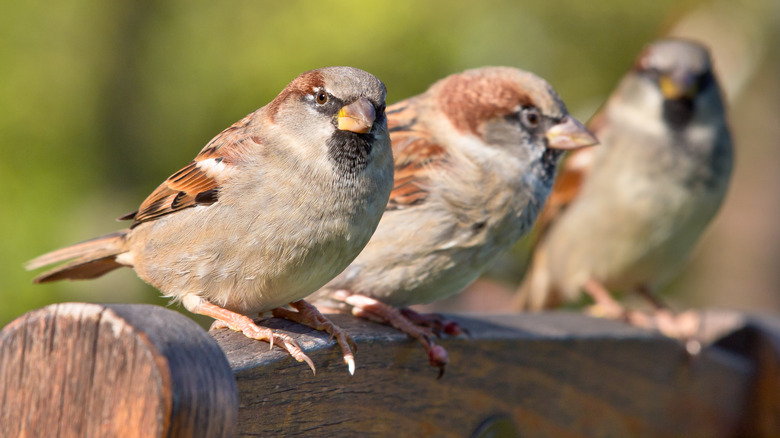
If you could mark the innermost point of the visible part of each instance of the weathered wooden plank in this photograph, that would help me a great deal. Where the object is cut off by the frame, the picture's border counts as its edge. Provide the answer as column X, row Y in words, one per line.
column 89, row 370
column 551, row 375
column 757, row 337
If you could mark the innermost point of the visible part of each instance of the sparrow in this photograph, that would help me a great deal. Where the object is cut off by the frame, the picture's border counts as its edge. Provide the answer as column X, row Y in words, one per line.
column 625, row 216
column 270, row 210
column 475, row 157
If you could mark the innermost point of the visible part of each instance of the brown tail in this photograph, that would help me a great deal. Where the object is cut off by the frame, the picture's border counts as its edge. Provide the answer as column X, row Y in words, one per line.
column 90, row 259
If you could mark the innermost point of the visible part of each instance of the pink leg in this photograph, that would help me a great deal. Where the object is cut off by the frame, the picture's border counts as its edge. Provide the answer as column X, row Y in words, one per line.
column 369, row 308
column 308, row 315
column 436, row 322
column 682, row 327
column 245, row 325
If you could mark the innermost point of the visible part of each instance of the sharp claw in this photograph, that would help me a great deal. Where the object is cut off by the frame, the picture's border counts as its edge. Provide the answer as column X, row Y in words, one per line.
column 350, row 361
column 693, row 347
column 217, row 324
column 310, row 363
column 438, row 356
column 271, row 342
column 441, row 373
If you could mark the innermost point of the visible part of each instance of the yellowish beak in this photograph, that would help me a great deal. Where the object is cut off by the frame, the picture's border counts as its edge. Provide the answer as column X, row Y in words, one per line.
column 357, row 117
column 569, row 134
column 673, row 88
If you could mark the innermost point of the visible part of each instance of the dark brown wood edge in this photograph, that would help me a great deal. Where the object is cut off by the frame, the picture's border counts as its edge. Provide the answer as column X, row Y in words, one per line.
column 758, row 339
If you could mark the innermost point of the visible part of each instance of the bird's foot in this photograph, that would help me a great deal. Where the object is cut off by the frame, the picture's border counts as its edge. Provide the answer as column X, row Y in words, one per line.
column 371, row 309
column 683, row 327
column 308, row 315
column 437, row 323
column 242, row 323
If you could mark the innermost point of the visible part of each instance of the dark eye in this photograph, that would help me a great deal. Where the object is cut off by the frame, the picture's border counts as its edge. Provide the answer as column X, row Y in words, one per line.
column 321, row 97
column 530, row 117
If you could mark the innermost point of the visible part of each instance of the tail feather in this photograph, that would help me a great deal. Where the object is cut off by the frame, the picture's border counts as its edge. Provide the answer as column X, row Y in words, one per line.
column 90, row 259
column 80, row 270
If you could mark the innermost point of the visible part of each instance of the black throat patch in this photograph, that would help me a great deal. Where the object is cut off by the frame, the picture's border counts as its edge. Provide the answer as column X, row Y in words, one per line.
column 549, row 162
column 349, row 152
column 678, row 113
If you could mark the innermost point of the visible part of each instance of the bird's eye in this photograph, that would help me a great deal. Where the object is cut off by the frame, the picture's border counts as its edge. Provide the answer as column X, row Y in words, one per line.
column 530, row 117
column 321, row 97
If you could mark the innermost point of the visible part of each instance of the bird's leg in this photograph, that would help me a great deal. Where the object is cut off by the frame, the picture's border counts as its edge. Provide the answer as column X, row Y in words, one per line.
column 653, row 298
column 244, row 324
column 663, row 316
column 607, row 307
column 308, row 315
column 684, row 326
column 371, row 309
column 435, row 322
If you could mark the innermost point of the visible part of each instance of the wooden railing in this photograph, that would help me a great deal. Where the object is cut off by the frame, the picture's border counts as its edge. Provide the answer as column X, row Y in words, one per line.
column 136, row 370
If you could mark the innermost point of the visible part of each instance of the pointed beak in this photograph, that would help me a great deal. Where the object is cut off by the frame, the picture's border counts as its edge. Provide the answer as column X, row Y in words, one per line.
column 357, row 117
column 569, row 134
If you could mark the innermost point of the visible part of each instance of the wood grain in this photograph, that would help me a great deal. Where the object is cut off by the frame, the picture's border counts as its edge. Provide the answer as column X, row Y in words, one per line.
column 551, row 375
column 87, row 370
column 135, row 370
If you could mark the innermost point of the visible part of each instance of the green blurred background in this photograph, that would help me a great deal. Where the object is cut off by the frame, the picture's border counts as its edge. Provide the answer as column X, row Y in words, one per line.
column 101, row 101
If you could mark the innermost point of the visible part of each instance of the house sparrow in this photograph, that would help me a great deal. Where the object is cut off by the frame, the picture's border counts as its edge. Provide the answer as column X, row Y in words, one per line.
column 475, row 157
column 625, row 216
column 269, row 211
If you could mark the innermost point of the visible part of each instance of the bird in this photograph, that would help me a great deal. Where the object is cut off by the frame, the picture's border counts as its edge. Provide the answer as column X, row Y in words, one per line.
column 271, row 209
column 475, row 156
column 624, row 217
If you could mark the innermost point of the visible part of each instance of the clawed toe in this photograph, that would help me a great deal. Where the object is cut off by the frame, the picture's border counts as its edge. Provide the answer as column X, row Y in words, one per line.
column 308, row 315
column 437, row 323
column 295, row 351
column 241, row 323
column 438, row 357
column 284, row 341
column 413, row 324
column 218, row 325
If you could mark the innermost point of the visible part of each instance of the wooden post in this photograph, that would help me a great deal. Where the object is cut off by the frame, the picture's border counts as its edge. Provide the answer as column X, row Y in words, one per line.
column 548, row 375
column 758, row 337
column 87, row 370
column 131, row 370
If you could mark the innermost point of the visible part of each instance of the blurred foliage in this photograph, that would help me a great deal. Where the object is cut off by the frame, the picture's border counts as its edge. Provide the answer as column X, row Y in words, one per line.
column 101, row 101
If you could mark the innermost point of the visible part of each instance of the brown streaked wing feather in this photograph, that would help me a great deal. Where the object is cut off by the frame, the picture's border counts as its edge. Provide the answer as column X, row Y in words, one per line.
column 415, row 155
column 571, row 175
column 192, row 185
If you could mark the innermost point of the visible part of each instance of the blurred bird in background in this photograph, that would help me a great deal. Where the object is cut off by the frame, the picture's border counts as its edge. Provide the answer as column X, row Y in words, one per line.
column 625, row 216
column 475, row 157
